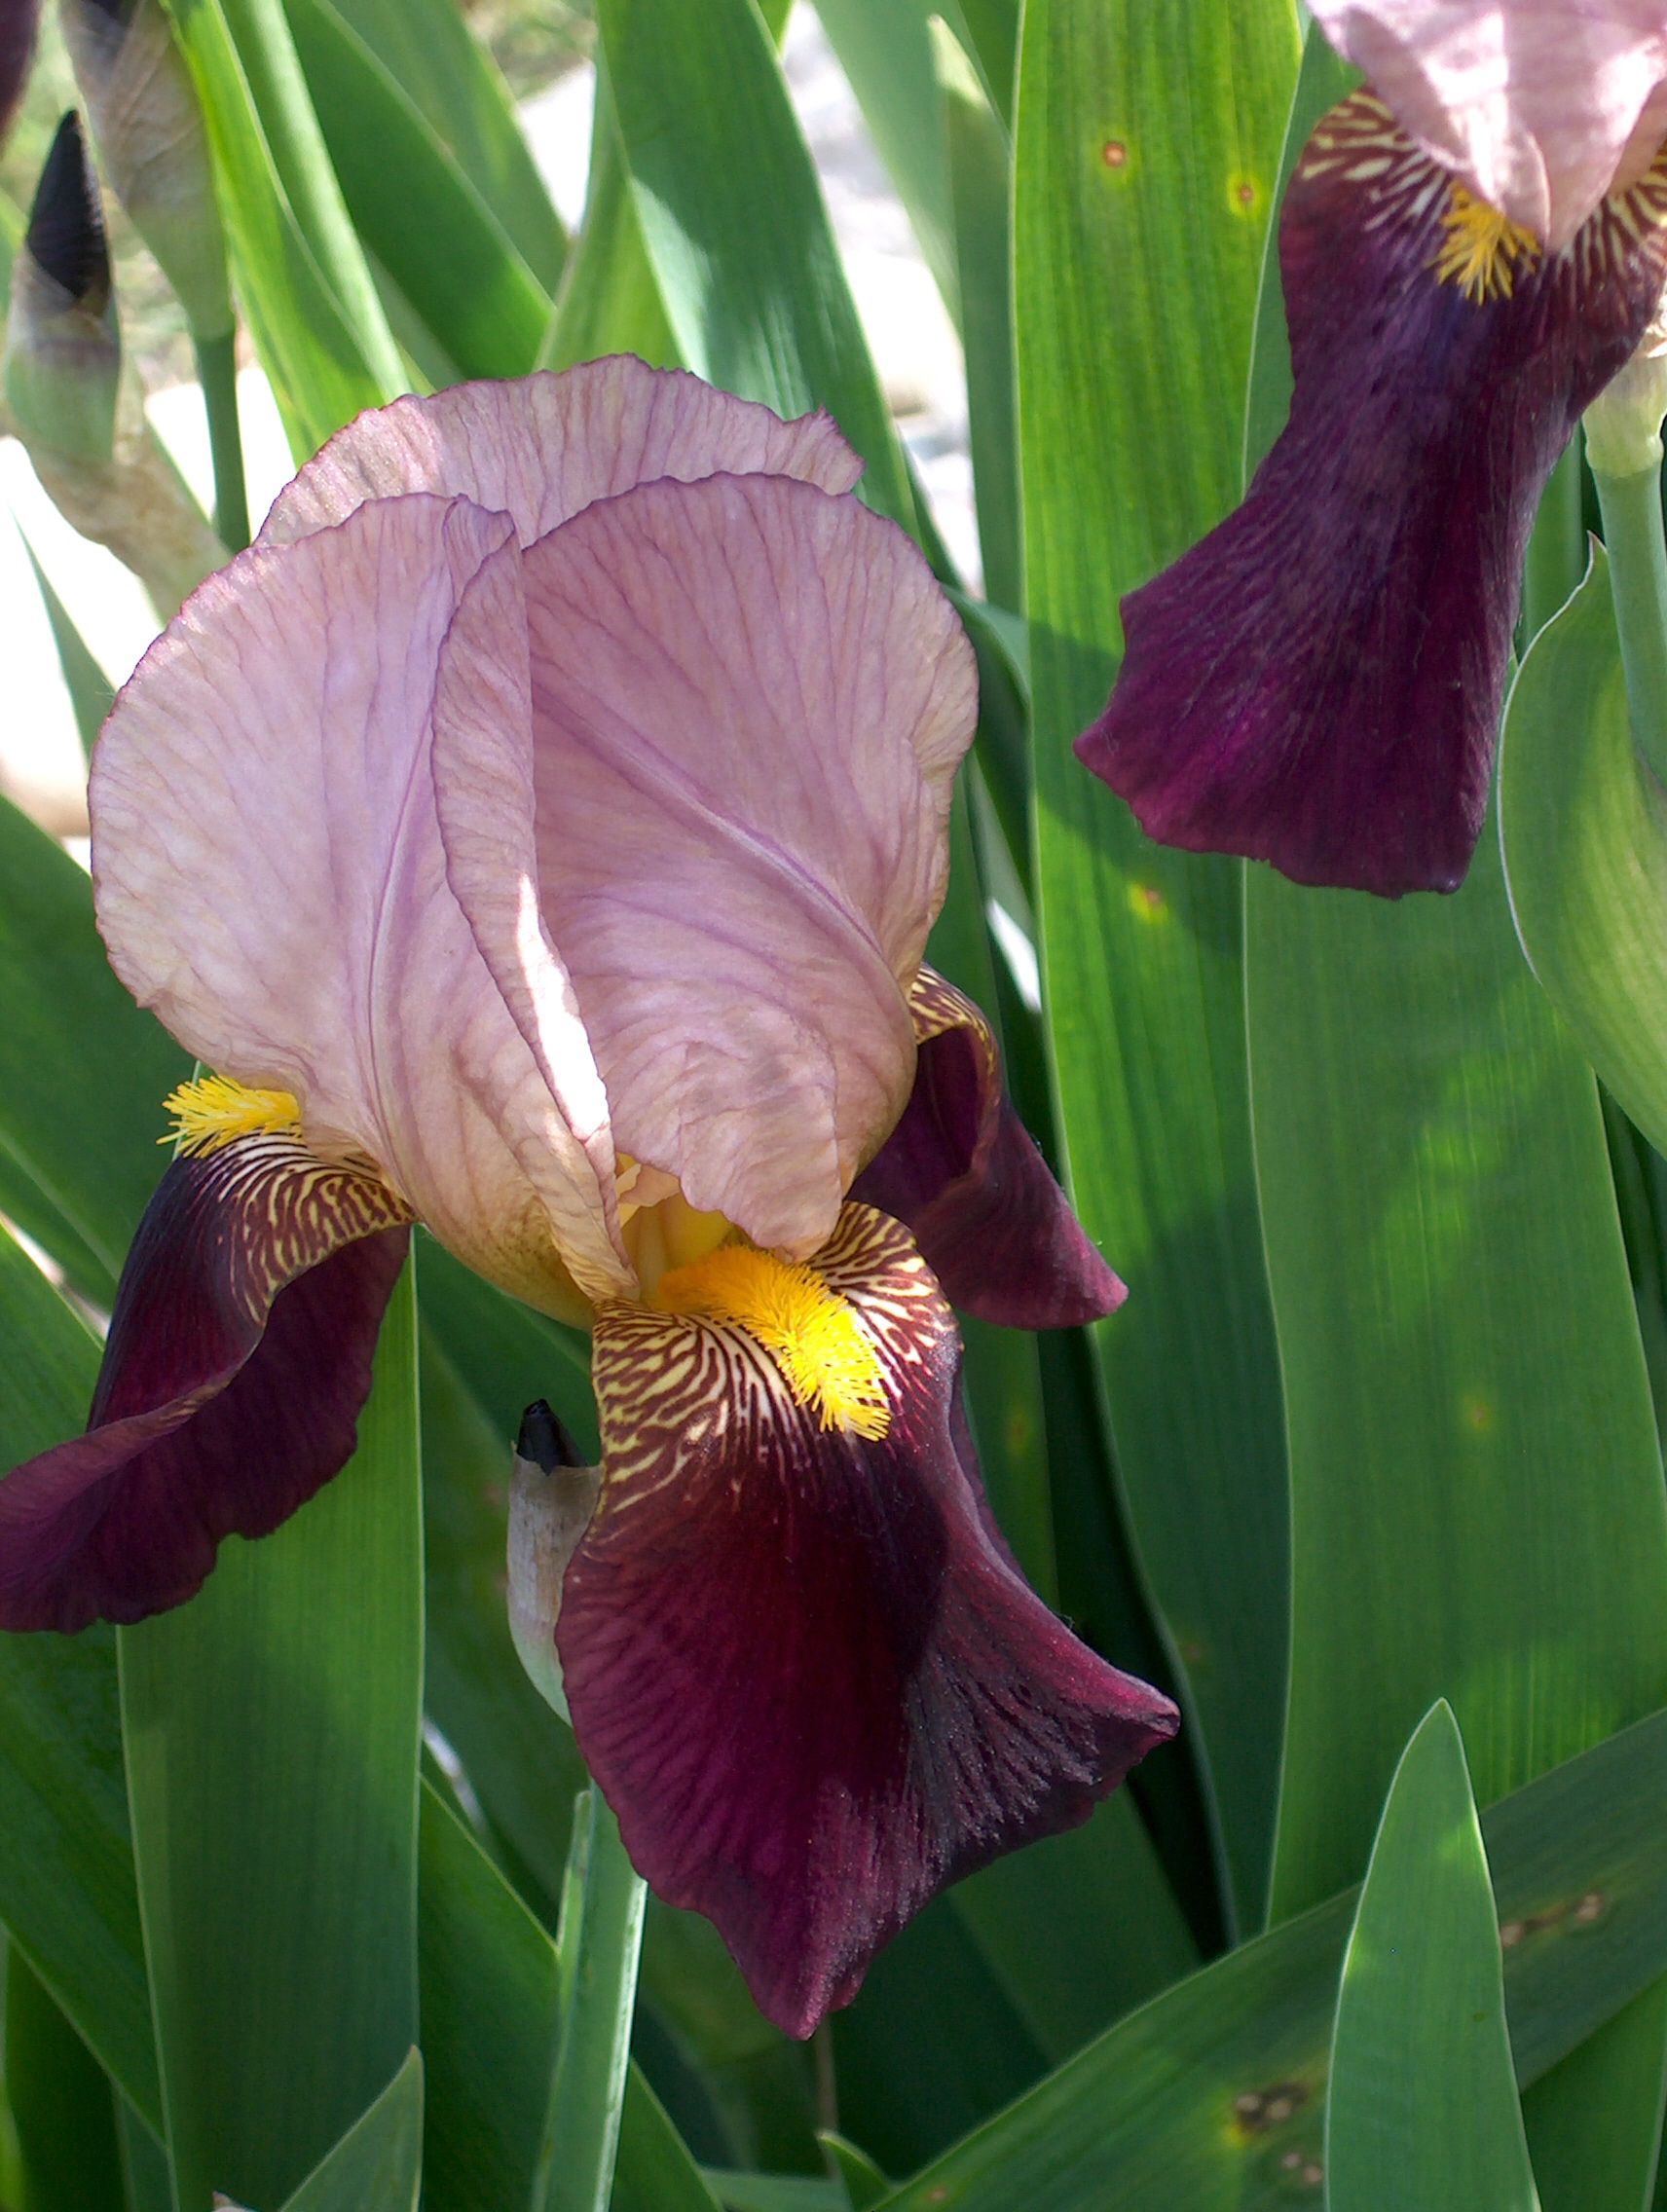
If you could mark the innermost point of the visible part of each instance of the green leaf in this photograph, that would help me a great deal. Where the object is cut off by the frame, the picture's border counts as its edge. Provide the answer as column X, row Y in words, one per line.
column 67, row 1863
column 981, row 184
column 489, row 2022
column 988, row 32
column 762, row 308
column 1431, row 1157
column 759, row 2085
column 932, row 2043
column 609, row 299
column 509, row 1353
column 272, row 1729
column 427, row 49
column 326, row 360
column 597, row 1947
column 62, row 2102
column 1557, row 545
column 91, row 692
column 82, row 1072
column 14, row 223
column 1213, row 2095
column 1453, row 1145
column 884, row 46
column 271, row 67
column 959, row 2013
column 1056, row 1924
column 1431, row 1153
column 865, row 2183
column 1585, row 844
column 144, row 2164
column 654, row 2172
column 414, row 206
column 776, row 2193
column 378, row 2164
column 1421, row 2108
column 490, row 2007
column 1594, row 2123
column 1147, row 145
column 1078, row 1928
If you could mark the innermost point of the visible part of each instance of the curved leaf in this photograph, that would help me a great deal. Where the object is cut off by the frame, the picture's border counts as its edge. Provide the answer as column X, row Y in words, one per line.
column 1584, row 825
column 1422, row 2109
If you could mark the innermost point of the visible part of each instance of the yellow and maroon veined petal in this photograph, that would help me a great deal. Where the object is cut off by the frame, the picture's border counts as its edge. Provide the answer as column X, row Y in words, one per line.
column 799, row 1661
column 962, row 1172
column 239, row 1356
column 1318, row 682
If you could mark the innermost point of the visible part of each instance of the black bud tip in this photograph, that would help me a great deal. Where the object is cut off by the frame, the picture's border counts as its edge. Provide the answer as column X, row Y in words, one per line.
column 66, row 224
column 545, row 1441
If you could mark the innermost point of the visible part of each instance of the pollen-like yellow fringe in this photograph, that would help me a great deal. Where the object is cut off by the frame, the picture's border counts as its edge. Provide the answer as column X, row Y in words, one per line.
column 1482, row 249
column 814, row 1337
column 214, row 1110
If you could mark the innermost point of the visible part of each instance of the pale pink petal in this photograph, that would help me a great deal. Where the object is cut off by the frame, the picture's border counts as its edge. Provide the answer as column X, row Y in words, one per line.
column 1535, row 104
column 482, row 765
column 749, row 701
column 545, row 447
column 270, row 879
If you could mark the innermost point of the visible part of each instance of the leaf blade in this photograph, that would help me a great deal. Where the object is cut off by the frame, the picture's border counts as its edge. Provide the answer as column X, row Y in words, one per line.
column 275, row 1716
column 1121, row 147
column 1421, row 2106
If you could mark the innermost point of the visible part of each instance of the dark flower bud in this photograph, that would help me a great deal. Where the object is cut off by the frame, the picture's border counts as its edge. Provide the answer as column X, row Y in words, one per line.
column 85, row 431
column 552, row 1496
column 147, row 123
column 545, row 1441
column 63, row 354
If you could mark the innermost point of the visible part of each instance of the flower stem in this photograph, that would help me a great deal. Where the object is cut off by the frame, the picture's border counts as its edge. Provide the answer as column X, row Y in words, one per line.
column 217, row 371
column 1637, row 578
column 1557, row 548
column 601, row 1935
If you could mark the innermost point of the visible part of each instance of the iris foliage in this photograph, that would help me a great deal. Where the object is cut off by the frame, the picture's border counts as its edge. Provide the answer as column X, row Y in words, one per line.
column 305, row 1900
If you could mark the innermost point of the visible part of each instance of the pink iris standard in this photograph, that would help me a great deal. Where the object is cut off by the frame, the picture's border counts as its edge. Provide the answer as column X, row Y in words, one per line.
column 537, row 833
column 1472, row 246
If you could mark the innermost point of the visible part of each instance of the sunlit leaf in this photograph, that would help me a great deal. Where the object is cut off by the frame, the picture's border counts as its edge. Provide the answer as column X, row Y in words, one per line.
column 1420, row 2104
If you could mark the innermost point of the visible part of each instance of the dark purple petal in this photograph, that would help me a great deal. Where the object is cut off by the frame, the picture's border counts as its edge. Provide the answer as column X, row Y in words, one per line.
column 962, row 1172
column 240, row 1355
column 810, row 1683
column 1318, row 681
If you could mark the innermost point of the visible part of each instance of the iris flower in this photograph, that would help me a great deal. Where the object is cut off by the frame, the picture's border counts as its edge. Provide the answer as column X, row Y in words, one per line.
column 537, row 833
column 1470, row 248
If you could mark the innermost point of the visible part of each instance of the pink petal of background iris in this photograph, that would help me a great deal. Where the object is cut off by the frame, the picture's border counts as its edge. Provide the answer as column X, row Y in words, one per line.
column 1540, row 106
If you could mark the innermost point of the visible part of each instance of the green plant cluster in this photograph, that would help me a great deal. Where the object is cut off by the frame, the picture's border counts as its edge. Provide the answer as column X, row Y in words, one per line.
column 1368, row 1472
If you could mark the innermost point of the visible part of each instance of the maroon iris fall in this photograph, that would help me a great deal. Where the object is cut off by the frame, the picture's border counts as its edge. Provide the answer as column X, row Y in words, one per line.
column 1318, row 681
column 537, row 833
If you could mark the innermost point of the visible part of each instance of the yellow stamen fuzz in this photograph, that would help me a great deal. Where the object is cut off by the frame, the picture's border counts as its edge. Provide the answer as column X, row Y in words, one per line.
column 810, row 1331
column 1483, row 249
column 215, row 1111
